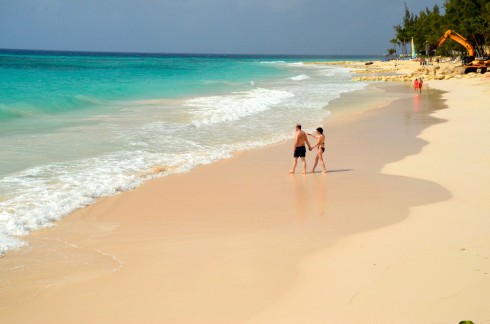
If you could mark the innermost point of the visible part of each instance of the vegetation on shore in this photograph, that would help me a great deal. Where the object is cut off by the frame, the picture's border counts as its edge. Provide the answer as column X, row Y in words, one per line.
column 469, row 18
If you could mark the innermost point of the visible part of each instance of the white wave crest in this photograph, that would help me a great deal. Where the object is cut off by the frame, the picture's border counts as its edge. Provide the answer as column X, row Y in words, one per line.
column 273, row 62
column 219, row 109
column 300, row 77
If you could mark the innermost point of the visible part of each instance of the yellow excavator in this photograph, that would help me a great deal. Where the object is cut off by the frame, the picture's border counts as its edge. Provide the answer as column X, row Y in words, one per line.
column 471, row 63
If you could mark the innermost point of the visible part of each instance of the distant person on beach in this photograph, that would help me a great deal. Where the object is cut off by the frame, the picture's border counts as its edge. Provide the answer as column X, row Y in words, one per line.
column 416, row 85
column 299, row 148
column 420, row 85
column 320, row 143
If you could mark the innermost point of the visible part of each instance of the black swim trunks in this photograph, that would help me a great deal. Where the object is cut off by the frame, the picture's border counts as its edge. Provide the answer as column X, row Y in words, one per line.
column 300, row 151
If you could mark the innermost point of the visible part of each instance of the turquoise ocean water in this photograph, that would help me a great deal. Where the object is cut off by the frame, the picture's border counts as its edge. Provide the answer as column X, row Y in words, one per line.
column 78, row 126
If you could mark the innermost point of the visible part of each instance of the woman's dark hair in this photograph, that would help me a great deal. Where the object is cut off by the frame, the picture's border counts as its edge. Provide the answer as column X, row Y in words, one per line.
column 320, row 130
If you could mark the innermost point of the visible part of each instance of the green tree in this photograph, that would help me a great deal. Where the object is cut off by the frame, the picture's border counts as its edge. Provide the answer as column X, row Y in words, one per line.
column 395, row 42
column 429, row 27
column 467, row 17
column 470, row 18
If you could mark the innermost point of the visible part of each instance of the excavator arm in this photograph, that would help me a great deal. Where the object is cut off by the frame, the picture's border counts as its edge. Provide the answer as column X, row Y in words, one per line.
column 469, row 62
column 458, row 39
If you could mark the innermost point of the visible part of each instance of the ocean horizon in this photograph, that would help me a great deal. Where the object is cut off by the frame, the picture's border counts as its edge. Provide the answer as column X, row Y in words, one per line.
column 76, row 126
column 163, row 54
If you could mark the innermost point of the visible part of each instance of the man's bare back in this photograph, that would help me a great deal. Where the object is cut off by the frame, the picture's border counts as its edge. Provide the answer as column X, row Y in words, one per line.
column 301, row 138
column 299, row 149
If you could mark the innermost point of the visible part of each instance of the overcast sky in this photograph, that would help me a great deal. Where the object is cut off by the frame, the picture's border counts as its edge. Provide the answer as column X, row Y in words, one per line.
column 204, row 26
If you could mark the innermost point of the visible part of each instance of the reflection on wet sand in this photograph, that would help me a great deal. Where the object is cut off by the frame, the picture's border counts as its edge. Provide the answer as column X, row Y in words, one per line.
column 300, row 196
column 309, row 194
column 416, row 103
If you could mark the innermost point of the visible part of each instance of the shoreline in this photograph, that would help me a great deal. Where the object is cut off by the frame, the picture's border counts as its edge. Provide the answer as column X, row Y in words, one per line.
column 124, row 143
column 231, row 241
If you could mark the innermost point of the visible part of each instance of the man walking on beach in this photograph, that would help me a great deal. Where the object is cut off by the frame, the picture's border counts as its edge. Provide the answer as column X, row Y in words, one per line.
column 300, row 149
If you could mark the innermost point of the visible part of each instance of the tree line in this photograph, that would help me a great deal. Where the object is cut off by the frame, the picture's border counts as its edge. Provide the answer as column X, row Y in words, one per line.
column 469, row 18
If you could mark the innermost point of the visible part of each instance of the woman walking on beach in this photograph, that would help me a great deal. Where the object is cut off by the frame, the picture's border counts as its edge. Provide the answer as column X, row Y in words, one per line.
column 420, row 85
column 416, row 85
column 321, row 149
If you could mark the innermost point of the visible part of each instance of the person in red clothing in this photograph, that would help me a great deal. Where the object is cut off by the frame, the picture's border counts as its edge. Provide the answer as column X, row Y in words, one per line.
column 416, row 85
column 420, row 84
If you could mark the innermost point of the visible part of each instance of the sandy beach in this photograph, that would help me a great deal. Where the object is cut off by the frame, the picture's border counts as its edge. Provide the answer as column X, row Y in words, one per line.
column 397, row 231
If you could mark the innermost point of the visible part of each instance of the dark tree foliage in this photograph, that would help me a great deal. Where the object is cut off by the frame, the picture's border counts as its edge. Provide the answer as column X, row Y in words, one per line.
column 469, row 18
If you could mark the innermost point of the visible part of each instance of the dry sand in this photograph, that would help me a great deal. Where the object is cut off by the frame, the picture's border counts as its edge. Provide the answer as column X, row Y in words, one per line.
column 398, row 231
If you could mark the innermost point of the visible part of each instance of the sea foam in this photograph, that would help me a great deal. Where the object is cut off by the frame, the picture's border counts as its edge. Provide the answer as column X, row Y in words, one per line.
column 219, row 109
column 300, row 77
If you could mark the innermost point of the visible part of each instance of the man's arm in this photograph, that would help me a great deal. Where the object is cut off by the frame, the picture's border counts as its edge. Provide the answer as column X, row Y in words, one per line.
column 307, row 142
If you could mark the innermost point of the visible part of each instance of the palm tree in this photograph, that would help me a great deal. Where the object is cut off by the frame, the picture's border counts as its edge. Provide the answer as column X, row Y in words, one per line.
column 395, row 42
column 401, row 35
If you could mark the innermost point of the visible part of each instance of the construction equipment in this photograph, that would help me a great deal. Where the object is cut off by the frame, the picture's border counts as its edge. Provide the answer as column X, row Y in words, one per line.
column 470, row 62
column 460, row 40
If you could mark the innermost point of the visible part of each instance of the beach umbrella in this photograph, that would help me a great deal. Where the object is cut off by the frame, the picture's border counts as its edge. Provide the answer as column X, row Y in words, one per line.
column 413, row 49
